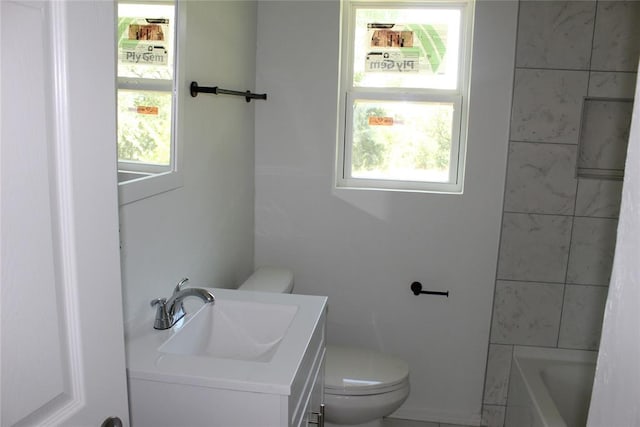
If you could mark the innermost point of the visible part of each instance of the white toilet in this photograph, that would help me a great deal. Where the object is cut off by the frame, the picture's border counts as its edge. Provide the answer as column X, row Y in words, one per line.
column 361, row 386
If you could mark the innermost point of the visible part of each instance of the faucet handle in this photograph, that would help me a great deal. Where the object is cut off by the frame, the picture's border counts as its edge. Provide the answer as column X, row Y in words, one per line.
column 158, row 301
column 162, row 316
column 181, row 284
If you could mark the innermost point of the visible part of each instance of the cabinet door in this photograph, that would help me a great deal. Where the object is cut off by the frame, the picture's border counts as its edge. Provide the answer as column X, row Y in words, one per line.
column 314, row 415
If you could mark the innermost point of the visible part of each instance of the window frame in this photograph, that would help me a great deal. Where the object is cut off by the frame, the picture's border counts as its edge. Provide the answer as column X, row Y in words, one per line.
column 156, row 179
column 349, row 93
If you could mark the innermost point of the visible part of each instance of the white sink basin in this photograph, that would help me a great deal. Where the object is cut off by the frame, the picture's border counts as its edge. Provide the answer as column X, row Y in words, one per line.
column 228, row 329
column 245, row 340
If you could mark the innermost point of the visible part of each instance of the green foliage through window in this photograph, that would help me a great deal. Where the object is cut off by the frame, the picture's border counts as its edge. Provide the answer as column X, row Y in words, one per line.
column 144, row 127
column 368, row 151
column 406, row 140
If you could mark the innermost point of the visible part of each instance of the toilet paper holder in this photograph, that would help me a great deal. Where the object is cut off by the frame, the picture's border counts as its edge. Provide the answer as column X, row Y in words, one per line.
column 416, row 288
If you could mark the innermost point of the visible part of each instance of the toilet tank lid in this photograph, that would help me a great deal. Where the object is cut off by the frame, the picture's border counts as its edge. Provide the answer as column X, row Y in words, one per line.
column 354, row 370
column 269, row 279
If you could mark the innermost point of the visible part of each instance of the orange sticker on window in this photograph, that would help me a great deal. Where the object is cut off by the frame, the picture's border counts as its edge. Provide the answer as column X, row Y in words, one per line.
column 380, row 121
column 141, row 109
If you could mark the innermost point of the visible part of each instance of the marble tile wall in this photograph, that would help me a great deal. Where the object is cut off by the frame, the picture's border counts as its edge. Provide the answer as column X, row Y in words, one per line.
column 559, row 229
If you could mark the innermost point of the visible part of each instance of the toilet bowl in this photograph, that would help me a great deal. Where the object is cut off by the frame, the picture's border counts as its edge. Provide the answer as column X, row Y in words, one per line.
column 361, row 386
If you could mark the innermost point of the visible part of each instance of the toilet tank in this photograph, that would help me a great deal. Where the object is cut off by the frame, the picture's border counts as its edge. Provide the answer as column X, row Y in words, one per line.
column 269, row 279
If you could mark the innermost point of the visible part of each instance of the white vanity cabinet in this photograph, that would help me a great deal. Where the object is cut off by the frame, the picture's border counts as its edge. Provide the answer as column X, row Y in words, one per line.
column 186, row 390
column 308, row 392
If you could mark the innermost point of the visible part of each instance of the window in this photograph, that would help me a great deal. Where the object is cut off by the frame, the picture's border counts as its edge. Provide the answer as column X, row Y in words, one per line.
column 146, row 99
column 404, row 84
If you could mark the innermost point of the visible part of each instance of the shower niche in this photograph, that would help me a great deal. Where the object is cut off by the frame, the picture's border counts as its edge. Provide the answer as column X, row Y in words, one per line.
column 604, row 136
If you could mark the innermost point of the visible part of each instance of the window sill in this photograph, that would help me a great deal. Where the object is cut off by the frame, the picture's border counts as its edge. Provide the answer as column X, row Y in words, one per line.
column 126, row 176
column 398, row 186
column 146, row 186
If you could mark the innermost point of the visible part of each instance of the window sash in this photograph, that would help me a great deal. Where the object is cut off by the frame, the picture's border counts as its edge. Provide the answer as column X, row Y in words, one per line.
column 347, row 178
column 156, row 85
column 463, row 37
column 146, row 167
column 153, row 85
column 456, row 96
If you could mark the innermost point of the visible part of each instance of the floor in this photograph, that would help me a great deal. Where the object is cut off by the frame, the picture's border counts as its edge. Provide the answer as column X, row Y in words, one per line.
column 395, row 422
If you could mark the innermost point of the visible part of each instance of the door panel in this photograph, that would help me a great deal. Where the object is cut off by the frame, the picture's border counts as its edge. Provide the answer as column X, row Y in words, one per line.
column 27, row 224
column 62, row 333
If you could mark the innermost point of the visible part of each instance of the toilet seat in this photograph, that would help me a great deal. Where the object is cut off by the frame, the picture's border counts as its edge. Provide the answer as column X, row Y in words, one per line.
column 359, row 372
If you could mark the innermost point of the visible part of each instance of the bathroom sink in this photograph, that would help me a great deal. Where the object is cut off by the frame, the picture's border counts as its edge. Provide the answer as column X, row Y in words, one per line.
column 228, row 329
column 246, row 341
column 248, row 359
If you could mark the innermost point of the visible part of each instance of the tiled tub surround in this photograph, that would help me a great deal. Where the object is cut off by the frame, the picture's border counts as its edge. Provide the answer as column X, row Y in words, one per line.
column 547, row 105
column 558, row 234
column 542, row 178
column 534, row 248
column 616, row 35
column 591, row 253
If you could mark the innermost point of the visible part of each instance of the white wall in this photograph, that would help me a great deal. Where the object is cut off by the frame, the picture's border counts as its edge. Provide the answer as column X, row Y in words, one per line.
column 203, row 230
column 617, row 384
column 364, row 248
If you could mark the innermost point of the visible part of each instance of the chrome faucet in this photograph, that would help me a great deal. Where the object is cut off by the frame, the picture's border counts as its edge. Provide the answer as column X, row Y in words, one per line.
column 171, row 310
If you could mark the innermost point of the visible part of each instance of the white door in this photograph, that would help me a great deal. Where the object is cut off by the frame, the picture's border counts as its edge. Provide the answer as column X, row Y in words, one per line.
column 616, row 387
column 61, row 318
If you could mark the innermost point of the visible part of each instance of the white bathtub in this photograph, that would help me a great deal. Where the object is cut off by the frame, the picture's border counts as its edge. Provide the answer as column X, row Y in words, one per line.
column 550, row 387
